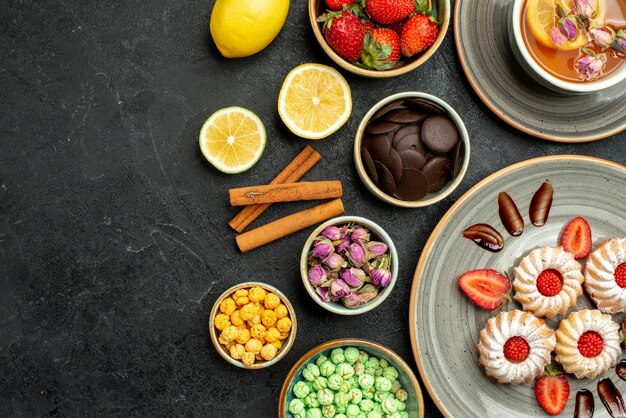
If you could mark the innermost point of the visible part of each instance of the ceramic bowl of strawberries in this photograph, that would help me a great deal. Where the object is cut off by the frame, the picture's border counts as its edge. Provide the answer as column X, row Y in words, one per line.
column 379, row 38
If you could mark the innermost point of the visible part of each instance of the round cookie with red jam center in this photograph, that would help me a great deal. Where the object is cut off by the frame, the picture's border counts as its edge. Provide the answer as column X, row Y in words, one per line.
column 548, row 281
column 515, row 347
column 587, row 343
column 605, row 276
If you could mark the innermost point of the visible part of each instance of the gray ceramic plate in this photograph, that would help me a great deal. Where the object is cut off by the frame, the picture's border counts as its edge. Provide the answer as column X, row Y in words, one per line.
column 480, row 32
column 445, row 323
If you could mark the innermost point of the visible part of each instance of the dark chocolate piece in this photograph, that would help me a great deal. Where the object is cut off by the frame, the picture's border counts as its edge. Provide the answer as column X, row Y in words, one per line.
column 411, row 141
column 620, row 369
column 485, row 236
column 540, row 204
column 413, row 131
column 394, row 164
column 426, row 106
column 378, row 146
column 388, row 107
column 455, row 157
column 381, row 126
column 386, row 183
column 584, row 404
column 438, row 171
column 368, row 163
column 405, row 115
column 412, row 159
column 509, row 215
column 413, row 185
column 440, row 134
column 611, row 398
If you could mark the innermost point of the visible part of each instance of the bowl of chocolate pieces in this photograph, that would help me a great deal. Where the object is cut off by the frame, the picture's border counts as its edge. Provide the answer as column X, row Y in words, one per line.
column 411, row 149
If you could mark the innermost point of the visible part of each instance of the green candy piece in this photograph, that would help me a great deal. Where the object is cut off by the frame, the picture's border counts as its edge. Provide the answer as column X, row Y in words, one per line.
column 351, row 354
column 372, row 362
column 325, row 397
column 296, row 406
column 361, row 415
column 404, row 414
column 374, row 414
column 353, row 381
column 363, row 356
column 320, row 360
column 366, row 405
column 359, row 369
column 352, row 411
column 402, row 395
column 341, row 400
column 377, row 408
column 337, row 356
column 381, row 396
column 394, row 415
column 300, row 415
column 369, row 370
column 384, row 363
column 379, row 371
column 311, row 372
column 366, row 381
column 329, row 411
column 301, row 390
column 369, row 393
column 341, row 416
column 327, row 368
column 382, row 384
column 395, row 386
column 335, row 381
column 389, row 406
column 390, row 373
column 320, row 383
column 314, row 413
column 311, row 400
column 401, row 405
column 345, row 386
column 345, row 370
column 355, row 395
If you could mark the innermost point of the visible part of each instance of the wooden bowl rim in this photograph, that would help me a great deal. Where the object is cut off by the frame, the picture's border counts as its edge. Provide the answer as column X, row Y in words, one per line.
column 409, row 66
column 350, row 342
column 283, row 350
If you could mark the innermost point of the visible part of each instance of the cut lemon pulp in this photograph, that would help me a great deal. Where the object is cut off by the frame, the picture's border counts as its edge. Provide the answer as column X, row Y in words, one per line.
column 232, row 139
column 314, row 101
column 541, row 16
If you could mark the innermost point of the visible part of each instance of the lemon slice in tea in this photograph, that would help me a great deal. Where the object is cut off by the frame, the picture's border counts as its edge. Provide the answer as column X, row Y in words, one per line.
column 314, row 101
column 232, row 139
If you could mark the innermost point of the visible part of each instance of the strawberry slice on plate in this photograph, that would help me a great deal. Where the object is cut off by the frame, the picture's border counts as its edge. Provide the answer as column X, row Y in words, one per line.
column 552, row 390
column 576, row 238
column 486, row 288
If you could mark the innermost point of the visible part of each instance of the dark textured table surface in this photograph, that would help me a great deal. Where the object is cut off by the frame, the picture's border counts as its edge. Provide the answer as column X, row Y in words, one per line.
column 113, row 236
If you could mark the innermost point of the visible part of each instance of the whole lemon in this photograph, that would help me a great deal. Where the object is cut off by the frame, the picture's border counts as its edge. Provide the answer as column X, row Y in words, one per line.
column 244, row 27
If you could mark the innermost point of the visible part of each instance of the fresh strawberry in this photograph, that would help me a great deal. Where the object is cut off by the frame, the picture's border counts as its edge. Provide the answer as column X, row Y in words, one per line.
column 381, row 49
column 576, row 238
column 549, row 282
column 418, row 33
column 338, row 4
column 368, row 26
column 344, row 33
column 620, row 275
column 516, row 349
column 590, row 344
column 387, row 12
column 552, row 391
column 486, row 288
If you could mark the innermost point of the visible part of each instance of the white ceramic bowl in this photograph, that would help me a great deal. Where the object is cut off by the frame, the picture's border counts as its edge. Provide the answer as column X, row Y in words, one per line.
column 430, row 198
column 525, row 59
column 337, row 307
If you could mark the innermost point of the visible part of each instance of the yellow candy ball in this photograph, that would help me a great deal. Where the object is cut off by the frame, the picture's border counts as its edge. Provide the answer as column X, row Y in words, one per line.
column 241, row 292
column 241, row 300
column 228, row 306
column 247, row 359
column 271, row 301
column 257, row 331
column 281, row 311
column 254, row 346
column 247, row 312
column 221, row 321
column 235, row 318
column 268, row 352
column 237, row 351
column 243, row 336
column 272, row 335
column 268, row 318
column 277, row 344
column 256, row 294
column 283, row 325
column 230, row 333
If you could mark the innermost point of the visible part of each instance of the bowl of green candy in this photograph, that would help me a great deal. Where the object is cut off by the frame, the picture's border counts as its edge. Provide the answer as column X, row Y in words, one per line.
column 349, row 378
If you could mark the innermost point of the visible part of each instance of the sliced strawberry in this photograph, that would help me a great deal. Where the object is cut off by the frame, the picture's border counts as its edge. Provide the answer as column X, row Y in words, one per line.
column 486, row 288
column 552, row 391
column 576, row 238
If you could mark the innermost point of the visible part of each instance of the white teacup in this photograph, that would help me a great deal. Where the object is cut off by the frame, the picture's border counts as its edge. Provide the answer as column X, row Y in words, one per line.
column 524, row 57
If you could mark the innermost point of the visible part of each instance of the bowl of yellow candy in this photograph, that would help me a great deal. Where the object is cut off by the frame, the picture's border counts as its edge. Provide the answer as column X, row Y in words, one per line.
column 252, row 325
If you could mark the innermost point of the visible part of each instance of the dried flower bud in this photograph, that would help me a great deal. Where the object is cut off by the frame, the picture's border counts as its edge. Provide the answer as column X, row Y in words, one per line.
column 590, row 67
column 381, row 278
column 357, row 254
column 620, row 42
column 557, row 37
column 360, row 235
column 334, row 261
column 353, row 276
column 376, row 249
column 343, row 246
column 568, row 27
column 367, row 293
column 333, row 233
column 351, row 301
column 339, row 289
column 602, row 37
column 323, row 292
column 322, row 248
column 585, row 8
column 317, row 275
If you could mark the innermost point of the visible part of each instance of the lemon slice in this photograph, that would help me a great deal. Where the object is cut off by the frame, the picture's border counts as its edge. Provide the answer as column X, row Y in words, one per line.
column 232, row 139
column 314, row 101
column 541, row 16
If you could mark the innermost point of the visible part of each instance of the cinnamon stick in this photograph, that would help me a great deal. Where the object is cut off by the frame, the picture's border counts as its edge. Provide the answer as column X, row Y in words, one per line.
column 288, row 225
column 287, row 192
column 303, row 162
